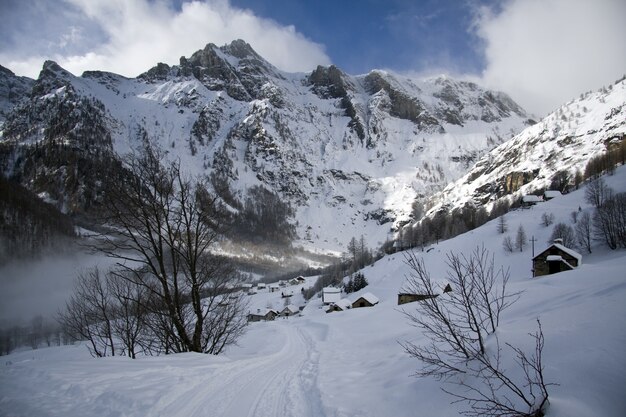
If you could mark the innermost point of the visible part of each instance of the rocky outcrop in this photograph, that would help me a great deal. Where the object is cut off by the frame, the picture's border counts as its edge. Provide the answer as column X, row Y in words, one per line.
column 400, row 104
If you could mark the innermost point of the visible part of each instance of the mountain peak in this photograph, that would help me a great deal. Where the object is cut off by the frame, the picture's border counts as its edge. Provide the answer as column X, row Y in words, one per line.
column 5, row 71
column 240, row 49
column 51, row 77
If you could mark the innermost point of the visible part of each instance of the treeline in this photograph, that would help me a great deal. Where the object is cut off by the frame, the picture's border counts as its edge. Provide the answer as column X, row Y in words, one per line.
column 358, row 255
column 264, row 217
column 27, row 224
column 605, row 163
column 261, row 216
column 40, row 332
column 446, row 225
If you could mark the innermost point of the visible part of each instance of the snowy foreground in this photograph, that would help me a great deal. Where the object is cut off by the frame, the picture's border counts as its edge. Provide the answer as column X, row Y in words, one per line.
column 350, row 363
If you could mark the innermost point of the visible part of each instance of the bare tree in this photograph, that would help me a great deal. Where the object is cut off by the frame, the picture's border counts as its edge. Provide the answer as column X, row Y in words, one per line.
column 520, row 239
column 165, row 225
column 610, row 221
column 130, row 313
column 507, row 244
column 565, row 233
column 547, row 219
column 597, row 192
column 457, row 324
column 87, row 314
column 499, row 395
column 584, row 228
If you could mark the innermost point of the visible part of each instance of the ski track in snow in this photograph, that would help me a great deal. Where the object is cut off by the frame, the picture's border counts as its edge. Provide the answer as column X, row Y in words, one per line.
column 282, row 384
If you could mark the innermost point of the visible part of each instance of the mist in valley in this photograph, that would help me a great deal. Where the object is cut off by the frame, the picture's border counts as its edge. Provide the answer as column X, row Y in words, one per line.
column 40, row 286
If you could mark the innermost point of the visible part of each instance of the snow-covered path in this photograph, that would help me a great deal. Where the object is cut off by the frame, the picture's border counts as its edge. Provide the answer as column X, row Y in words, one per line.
column 280, row 383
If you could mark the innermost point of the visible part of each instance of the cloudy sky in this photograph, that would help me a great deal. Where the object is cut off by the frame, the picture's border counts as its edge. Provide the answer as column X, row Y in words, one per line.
column 541, row 52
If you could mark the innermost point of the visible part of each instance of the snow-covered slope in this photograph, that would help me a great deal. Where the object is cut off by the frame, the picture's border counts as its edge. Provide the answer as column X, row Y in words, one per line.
column 347, row 364
column 564, row 141
column 350, row 153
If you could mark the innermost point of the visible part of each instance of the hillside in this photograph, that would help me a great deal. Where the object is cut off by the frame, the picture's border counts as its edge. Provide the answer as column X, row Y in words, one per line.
column 350, row 363
column 561, row 143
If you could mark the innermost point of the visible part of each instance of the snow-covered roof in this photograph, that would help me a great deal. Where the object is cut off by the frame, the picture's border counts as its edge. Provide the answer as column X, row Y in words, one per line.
column 263, row 312
column 369, row 297
column 552, row 194
column 331, row 290
column 343, row 304
column 531, row 198
column 291, row 309
column 570, row 252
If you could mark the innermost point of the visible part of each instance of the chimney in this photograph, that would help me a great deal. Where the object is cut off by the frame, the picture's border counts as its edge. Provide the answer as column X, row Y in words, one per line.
column 559, row 241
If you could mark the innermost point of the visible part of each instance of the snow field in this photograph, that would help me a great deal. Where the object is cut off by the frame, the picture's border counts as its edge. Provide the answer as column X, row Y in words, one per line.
column 348, row 364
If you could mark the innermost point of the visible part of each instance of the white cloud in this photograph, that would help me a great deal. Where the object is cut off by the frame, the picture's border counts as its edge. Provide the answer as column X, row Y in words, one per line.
column 140, row 33
column 546, row 52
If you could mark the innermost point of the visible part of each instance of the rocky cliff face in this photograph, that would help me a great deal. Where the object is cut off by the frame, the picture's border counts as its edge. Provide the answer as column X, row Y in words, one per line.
column 350, row 153
column 12, row 90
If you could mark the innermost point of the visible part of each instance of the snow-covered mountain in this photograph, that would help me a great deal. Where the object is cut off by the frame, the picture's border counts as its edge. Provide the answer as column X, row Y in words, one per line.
column 564, row 141
column 350, row 153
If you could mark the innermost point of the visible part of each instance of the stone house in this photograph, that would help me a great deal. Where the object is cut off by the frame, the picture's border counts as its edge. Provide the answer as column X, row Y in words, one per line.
column 404, row 298
column 550, row 194
column 530, row 200
column 366, row 300
column 290, row 310
column 263, row 315
column 556, row 258
column 341, row 305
